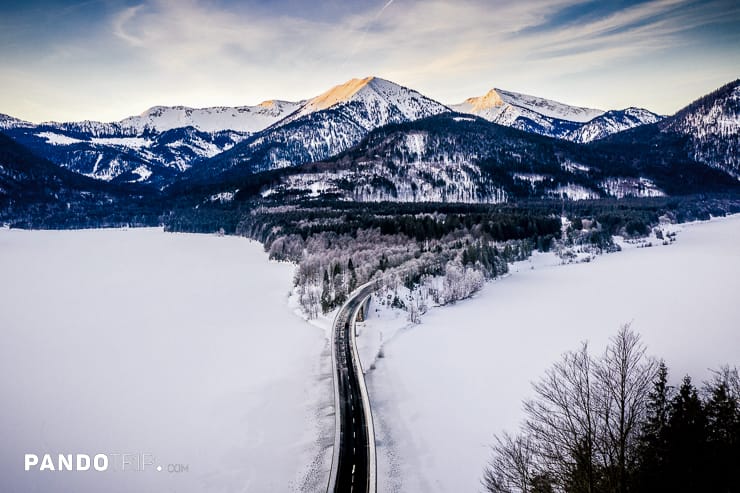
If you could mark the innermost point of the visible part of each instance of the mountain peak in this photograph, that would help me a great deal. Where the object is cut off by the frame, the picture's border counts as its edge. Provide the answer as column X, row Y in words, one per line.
column 552, row 118
column 159, row 110
column 382, row 97
column 491, row 99
column 498, row 103
column 338, row 94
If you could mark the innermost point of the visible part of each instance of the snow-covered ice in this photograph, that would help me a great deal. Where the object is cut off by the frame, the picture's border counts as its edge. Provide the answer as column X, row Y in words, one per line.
column 142, row 342
column 445, row 386
column 186, row 347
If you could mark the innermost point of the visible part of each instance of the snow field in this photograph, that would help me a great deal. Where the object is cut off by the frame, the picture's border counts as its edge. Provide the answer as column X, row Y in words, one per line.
column 179, row 346
column 446, row 386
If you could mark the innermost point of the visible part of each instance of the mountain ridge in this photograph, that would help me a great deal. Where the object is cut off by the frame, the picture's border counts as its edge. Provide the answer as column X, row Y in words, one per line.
column 451, row 158
column 323, row 126
column 176, row 144
column 35, row 191
column 552, row 118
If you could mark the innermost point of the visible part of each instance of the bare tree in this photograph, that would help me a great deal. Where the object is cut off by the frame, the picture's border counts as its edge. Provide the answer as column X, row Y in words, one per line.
column 512, row 468
column 562, row 420
column 581, row 432
column 729, row 376
column 624, row 376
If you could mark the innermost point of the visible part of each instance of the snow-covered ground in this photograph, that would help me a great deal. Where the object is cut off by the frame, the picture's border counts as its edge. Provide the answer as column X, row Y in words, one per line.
column 445, row 386
column 186, row 348
column 179, row 346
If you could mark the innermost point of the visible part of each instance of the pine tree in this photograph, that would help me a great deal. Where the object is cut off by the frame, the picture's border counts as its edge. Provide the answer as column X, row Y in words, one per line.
column 651, row 468
column 686, row 441
column 723, row 430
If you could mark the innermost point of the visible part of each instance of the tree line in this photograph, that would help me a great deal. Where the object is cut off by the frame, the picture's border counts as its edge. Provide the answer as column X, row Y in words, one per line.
column 411, row 244
column 614, row 424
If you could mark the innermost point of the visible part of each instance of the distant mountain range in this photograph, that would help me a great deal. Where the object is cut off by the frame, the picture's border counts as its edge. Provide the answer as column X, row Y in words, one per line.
column 376, row 140
column 244, row 119
column 467, row 157
column 320, row 128
column 153, row 147
column 455, row 158
column 551, row 118
column 161, row 143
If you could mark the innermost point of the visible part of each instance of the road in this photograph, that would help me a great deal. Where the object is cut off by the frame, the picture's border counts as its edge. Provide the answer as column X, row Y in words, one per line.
column 353, row 463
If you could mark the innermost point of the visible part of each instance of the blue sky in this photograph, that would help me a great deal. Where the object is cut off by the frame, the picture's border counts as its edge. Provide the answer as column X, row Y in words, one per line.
column 108, row 59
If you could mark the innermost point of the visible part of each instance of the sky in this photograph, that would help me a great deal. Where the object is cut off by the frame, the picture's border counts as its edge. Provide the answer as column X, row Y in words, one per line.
column 108, row 59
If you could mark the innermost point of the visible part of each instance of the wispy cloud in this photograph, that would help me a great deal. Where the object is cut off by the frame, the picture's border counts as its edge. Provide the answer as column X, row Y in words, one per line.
column 200, row 52
column 119, row 25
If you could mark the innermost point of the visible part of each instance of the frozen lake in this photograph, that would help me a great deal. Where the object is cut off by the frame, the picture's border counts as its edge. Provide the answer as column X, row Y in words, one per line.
column 447, row 385
column 184, row 348
column 143, row 342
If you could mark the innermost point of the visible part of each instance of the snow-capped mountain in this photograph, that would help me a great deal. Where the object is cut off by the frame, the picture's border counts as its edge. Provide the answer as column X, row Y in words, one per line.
column 712, row 126
column 222, row 145
column 7, row 121
column 612, row 122
column 453, row 158
column 374, row 102
column 247, row 119
column 528, row 113
column 551, row 118
column 152, row 147
column 109, row 152
column 497, row 99
column 321, row 127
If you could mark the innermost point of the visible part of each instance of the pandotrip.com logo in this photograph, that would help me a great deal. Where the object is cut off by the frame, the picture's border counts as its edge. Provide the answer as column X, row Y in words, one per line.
column 101, row 462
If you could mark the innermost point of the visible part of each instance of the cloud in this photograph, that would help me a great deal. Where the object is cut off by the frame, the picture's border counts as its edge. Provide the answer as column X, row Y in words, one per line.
column 208, row 52
column 429, row 38
column 119, row 25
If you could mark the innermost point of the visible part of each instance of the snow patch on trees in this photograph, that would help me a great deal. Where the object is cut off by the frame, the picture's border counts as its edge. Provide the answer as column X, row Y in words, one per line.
column 573, row 192
column 331, row 266
column 417, row 181
column 621, row 187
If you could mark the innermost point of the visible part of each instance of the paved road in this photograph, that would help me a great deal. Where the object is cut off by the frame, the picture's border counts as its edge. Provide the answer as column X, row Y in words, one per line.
column 353, row 465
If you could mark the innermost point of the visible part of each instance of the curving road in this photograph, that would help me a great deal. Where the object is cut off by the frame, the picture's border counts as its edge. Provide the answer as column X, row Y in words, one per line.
column 353, row 462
